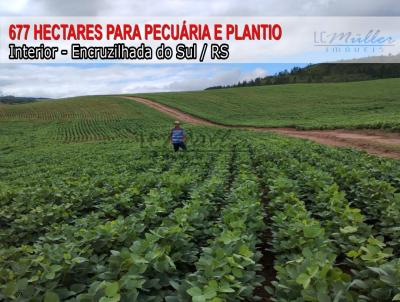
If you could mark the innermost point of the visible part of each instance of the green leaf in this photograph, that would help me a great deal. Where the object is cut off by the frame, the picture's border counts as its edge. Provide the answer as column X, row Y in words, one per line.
column 245, row 251
column 174, row 284
column 323, row 297
column 228, row 237
column 396, row 298
column 50, row 275
column 312, row 231
column 79, row 259
column 226, row 289
column 10, row 288
column 112, row 289
column 56, row 268
column 304, row 280
column 377, row 270
column 210, row 292
column 199, row 299
column 194, row 291
column 110, row 299
column 51, row 297
column 237, row 272
column 352, row 254
column 307, row 252
column 22, row 284
column 67, row 256
column 348, row 229
column 359, row 283
column 213, row 284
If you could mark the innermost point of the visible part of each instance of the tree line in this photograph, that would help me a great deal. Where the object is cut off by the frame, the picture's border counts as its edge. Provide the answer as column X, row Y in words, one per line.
column 324, row 73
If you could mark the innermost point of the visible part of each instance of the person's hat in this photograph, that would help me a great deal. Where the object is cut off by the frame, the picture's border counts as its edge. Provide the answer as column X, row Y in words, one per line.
column 177, row 122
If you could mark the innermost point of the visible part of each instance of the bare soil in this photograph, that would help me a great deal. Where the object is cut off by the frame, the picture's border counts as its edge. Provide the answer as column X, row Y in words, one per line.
column 372, row 141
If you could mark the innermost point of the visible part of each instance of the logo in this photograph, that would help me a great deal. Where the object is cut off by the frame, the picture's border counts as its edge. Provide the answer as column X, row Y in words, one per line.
column 371, row 42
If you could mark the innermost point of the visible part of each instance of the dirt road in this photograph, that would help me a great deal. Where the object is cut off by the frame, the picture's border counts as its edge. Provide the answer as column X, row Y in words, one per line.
column 373, row 141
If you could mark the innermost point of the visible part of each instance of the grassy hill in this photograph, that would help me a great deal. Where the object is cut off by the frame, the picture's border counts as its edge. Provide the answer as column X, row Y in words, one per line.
column 79, row 120
column 367, row 104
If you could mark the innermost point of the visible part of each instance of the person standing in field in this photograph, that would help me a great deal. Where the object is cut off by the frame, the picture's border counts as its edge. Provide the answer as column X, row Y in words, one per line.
column 178, row 137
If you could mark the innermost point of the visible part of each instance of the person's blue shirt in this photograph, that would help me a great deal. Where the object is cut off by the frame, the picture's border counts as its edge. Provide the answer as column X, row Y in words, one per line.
column 177, row 135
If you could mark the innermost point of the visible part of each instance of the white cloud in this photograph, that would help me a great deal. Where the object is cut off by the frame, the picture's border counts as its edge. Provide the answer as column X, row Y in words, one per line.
column 13, row 7
column 253, row 74
column 70, row 80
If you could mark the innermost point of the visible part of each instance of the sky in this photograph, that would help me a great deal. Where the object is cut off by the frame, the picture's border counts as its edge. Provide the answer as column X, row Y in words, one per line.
column 65, row 80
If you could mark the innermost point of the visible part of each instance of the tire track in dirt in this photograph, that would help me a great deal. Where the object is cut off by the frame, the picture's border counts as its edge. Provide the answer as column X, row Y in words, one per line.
column 372, row 141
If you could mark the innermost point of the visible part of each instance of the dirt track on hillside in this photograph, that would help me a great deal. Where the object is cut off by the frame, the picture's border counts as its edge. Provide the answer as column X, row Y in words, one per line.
column 373, row 141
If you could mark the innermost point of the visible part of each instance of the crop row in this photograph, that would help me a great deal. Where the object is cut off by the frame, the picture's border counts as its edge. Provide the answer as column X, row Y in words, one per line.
column 312, row 218
column 56, row 116
column 97, row 130
column 377, row 195
column 228, row 268
column 59, row 203
column 150, row 268
column 65, row 258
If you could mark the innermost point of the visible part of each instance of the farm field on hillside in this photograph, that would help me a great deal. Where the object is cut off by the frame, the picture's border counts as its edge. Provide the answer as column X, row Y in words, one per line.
column 80, row 120
column 369, row 104
column 100, row 209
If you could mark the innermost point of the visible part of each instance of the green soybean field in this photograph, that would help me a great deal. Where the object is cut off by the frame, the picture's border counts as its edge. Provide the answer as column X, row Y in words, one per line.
column 95, row 206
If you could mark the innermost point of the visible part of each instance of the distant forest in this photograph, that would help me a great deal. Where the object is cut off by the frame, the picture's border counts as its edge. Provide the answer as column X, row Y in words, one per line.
column 325, row 73
column 9, row 99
